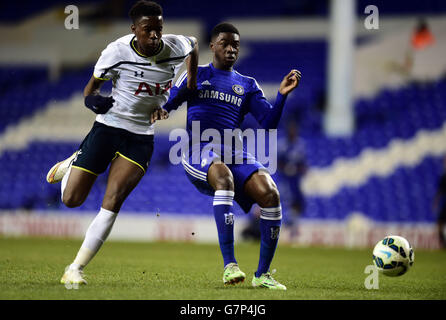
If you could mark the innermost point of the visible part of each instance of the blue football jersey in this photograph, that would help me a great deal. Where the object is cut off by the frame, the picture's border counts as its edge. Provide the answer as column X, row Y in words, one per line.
column 224, row 98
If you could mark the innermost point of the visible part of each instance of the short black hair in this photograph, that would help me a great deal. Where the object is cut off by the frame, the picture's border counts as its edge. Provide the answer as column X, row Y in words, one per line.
column 145, row 8
column 223, row 27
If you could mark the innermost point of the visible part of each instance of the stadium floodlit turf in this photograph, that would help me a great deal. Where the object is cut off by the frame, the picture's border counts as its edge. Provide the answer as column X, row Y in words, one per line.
column 32, row 268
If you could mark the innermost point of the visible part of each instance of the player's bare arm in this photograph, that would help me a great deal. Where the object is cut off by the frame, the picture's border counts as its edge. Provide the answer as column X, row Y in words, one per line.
column 290, row 82
column 93, row 86
column 192, row 66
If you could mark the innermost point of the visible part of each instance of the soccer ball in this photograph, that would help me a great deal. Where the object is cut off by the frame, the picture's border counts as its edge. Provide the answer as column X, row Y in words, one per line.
column 393, row 256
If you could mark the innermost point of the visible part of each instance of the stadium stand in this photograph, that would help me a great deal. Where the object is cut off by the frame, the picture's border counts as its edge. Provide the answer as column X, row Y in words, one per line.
column 392, row 114
column 25, row 90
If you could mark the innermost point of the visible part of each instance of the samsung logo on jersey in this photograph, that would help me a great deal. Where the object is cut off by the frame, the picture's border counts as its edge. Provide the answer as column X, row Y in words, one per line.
column 226, row 97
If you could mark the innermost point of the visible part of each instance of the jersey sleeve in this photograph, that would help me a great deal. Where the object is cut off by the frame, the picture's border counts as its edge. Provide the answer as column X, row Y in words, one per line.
column 109, row 58
column 265, row 113
column 184, row 45
column 175, row 97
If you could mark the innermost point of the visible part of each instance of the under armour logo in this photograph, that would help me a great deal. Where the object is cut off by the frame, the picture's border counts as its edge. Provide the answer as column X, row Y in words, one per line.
column 275, row 233
column 140, row 74
column 229, row 218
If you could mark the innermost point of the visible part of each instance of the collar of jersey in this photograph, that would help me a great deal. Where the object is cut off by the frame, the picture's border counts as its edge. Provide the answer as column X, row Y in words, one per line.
column 132, row 44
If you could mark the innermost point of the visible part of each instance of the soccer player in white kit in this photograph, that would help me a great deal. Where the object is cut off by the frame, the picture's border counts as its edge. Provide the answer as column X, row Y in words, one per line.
column 142, row 67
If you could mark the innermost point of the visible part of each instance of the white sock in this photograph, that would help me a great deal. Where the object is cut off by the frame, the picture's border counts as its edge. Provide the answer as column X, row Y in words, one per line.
column 95, row 236
column 63, row 183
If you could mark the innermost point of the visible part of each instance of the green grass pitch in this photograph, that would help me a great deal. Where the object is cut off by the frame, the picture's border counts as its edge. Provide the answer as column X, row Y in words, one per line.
column 31, row 269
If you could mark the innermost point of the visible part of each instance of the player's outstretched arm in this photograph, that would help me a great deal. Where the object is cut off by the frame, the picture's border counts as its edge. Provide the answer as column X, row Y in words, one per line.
column 269, row 115
column 177, row 96
column 184, row 92
column 290, row 82
column 93, row 101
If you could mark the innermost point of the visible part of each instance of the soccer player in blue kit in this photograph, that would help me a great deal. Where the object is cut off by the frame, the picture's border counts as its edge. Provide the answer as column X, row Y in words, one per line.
column 222, row 100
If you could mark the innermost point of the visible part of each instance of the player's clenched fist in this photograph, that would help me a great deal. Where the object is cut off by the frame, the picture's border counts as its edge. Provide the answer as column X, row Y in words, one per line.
column 99, row 104
column 159, row 114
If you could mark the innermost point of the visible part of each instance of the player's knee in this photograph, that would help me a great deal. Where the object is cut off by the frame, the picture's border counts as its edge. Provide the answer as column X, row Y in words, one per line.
column 269, row 198
column 72, row 200
column 220, row 177
column 225, row 182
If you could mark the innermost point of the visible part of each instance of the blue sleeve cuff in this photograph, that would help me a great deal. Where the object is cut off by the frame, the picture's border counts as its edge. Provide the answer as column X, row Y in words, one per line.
column 271, row 121
column 280, row 99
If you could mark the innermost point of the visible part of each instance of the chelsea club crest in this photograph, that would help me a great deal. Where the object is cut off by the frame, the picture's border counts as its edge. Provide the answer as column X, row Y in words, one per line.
column 238, row 89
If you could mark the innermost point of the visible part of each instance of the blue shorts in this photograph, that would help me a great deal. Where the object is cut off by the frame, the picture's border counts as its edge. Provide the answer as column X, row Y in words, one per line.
column 197, row 174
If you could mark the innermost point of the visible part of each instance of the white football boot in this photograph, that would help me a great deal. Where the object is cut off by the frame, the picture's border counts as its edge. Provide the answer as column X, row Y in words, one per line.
column 57, row 172
column 73, row 276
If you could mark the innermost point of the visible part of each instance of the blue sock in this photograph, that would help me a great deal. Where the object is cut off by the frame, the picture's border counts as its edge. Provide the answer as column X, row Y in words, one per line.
column 223, row 201
column 270, row 221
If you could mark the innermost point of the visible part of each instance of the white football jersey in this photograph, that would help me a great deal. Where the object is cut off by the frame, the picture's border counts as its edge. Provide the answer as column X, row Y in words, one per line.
column 140, row 83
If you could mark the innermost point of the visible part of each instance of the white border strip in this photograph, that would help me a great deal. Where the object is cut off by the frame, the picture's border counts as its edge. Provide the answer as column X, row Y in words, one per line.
column 353, row 172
